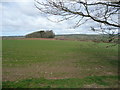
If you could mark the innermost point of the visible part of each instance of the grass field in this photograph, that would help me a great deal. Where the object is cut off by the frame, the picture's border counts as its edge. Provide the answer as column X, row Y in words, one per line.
column 59, row 64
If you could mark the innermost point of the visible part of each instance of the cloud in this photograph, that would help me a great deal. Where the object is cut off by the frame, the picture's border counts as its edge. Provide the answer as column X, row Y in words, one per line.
column 21, row 18
column 17, row 0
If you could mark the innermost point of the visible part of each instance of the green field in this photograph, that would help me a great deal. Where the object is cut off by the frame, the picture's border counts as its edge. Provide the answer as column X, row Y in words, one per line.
column 59, row 64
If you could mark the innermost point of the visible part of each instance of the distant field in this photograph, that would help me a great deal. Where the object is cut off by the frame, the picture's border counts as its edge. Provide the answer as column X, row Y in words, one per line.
column 59, row 64
column 84, row 37
column 72, row 37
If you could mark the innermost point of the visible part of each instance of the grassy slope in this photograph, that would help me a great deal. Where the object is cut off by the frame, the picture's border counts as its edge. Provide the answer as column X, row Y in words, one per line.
column 92, row 63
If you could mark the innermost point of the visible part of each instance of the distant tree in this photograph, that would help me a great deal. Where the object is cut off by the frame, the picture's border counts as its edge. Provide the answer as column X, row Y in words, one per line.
column 50, row 34
column 103, row 12
column 41, row 34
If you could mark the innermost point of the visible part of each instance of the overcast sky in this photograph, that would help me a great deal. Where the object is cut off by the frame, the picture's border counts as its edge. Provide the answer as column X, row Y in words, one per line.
column 20, row 17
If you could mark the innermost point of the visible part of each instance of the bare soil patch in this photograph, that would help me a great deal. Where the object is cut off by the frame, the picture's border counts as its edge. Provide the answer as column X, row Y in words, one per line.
column 53, row 70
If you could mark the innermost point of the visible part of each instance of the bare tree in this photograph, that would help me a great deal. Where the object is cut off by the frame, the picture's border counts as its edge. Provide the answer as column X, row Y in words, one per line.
column 104, row 13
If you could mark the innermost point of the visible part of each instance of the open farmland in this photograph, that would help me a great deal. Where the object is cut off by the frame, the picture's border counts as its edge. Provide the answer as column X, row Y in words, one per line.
column 59, row 64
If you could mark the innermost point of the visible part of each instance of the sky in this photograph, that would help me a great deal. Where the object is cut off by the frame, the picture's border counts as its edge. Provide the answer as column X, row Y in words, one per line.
column 20, row 17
